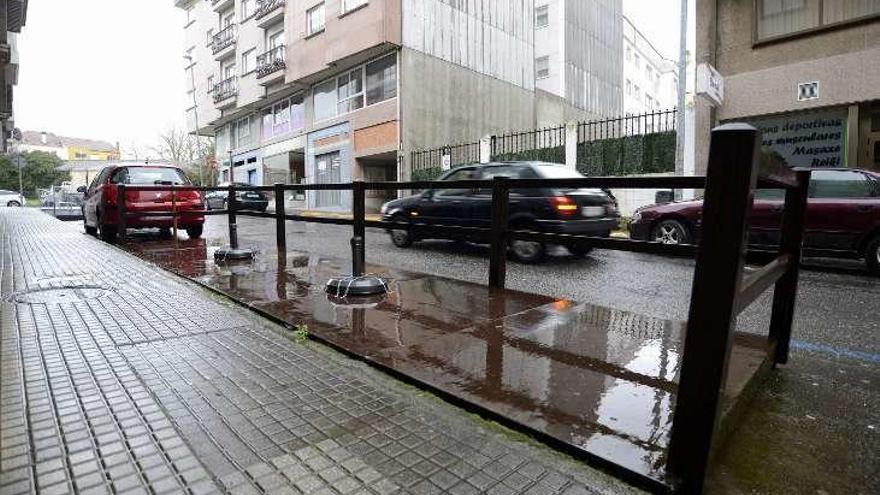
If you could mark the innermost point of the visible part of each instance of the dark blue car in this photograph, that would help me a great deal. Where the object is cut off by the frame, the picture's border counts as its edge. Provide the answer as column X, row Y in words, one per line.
column 590, row 212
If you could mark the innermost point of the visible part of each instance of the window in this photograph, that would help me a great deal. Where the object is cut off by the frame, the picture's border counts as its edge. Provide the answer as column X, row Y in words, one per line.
column 324, row 96
column 841, row 184
column 382, row 79
column 649, row 102
column 542, row 16
column 248, row 61
column 243, row 132
column 315, row 19
column 229, row 71
column 542, row 67
column 210, row 35
column 210, row 84
column 349, row 5
column 189, row 16
column 461, row 174
column 245, row 9
column 283, row 117
column 637, row 92
column 274, row 40
column 649, row 72
column 629, row 87
column 227, row 20
column 350, row 91
column 783, row 17
column 629, row 54
column 252, row 177
column 637, row 60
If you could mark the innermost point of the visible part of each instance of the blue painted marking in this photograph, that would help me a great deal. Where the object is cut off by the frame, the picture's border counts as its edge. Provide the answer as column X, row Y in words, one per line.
column 836, row 351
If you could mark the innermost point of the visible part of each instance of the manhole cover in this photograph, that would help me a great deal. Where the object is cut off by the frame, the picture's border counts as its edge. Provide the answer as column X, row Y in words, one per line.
column 58, row 295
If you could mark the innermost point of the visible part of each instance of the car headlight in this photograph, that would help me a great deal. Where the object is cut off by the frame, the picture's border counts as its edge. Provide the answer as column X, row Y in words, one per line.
column 383, row 209
column 636, row 216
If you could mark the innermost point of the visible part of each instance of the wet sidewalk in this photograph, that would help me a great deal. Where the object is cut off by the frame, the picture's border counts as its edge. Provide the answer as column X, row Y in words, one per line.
column 594, row 381
column 118, row 377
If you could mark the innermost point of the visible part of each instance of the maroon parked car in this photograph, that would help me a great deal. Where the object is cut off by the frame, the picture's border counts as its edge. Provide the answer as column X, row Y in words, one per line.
column 100, row 206
column 843, row 218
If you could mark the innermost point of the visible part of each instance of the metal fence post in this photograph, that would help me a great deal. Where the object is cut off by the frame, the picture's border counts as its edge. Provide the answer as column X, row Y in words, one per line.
column 730, row 177
column 121, row 209
column 280, row 221
column 230, row 211
column 358, row 256
column 785, row 293
column 498, row 246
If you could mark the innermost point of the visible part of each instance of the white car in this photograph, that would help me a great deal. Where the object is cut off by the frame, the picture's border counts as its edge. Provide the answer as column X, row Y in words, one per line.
column 11, row 198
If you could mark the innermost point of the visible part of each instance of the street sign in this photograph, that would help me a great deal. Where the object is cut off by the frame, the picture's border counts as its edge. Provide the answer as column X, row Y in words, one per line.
column 710, row 84
column 446, row 162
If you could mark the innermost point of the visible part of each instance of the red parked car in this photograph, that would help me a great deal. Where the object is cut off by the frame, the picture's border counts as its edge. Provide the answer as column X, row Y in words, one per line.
column 843, row 218
column 101, row 214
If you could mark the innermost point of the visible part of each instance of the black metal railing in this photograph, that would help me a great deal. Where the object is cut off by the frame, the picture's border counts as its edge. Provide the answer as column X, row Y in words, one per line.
column 270, row 61
column 225, row 89
column 721, row 287
column 265, row 7
column 224, row 38
column 630, row 145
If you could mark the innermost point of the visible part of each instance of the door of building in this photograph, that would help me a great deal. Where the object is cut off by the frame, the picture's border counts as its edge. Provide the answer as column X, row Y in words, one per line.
column 328, row 171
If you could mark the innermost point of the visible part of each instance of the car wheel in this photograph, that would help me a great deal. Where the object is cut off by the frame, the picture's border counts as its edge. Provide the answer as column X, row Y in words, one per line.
column 526, row 251
column 670, row 231
column 107, row 233
column 92, row 231
column 872, row 255
column 13, row 204
column 401, row 238
column 195, row 231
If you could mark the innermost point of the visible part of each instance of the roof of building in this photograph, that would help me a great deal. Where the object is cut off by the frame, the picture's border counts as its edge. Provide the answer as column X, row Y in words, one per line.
column 93, row 165
column 35, row 138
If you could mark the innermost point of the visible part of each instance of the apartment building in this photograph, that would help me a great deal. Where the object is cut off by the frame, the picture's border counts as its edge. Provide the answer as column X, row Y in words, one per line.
column 13, row 15
column 650, row 79
column 311, row 91
column 805, row 72
column 68, row 148
column 578, row 53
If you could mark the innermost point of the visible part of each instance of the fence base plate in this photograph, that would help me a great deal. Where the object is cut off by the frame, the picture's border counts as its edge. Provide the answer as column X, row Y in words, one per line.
column 359, row 286
column 230, row 254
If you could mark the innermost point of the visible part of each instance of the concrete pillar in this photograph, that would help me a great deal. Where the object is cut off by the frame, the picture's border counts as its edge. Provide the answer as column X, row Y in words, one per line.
column 852, row 137
column 486, row 149
column 571, row 142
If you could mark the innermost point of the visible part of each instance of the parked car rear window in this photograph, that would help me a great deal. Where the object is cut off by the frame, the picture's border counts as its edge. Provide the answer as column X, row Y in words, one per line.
column 149, row 176
column 841, row 184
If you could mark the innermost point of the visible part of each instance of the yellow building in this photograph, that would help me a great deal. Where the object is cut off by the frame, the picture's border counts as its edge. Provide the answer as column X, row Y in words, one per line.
column 68, row 148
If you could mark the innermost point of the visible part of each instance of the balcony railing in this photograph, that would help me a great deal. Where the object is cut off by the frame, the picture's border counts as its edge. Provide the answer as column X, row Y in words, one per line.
column 264, row 7
column 226, row 88
column 271, row 61
column 223, row 38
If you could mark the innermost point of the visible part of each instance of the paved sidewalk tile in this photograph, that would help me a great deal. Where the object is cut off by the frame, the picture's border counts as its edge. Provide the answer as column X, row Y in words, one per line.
column 117, row 376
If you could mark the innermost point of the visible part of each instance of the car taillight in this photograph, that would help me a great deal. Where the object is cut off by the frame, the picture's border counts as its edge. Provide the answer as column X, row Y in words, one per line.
column 563, row 205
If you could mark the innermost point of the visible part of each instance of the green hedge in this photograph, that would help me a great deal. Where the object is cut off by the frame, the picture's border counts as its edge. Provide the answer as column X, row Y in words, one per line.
column 631, row 155
column 426, row 174
column 552, row 155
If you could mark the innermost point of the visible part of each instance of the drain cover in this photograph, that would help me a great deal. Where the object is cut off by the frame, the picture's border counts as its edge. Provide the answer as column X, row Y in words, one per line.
column 58, row 295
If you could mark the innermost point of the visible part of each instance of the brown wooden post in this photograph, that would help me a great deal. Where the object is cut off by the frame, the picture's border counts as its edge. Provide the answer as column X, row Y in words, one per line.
column 498, row 241
column 785, row 293
column 730, row 179
column 280, row 221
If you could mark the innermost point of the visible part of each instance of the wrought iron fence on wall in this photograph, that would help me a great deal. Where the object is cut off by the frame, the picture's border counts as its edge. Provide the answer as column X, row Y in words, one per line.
column 631, row 145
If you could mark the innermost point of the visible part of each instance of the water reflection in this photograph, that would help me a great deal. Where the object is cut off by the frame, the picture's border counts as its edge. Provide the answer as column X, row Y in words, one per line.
column 600, row 379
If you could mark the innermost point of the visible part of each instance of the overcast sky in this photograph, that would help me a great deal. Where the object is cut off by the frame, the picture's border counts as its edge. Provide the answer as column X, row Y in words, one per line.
column 113, row 69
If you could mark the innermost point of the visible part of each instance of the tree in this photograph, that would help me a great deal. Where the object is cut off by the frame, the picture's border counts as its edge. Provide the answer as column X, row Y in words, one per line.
column 40, row 170
column 187, row 151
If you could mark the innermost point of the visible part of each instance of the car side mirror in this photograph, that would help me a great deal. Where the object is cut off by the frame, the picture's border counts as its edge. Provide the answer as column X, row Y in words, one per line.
column 81, row 189
column 428, row 193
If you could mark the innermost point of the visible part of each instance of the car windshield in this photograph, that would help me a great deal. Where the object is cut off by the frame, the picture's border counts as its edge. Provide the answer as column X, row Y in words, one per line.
column 150, row 175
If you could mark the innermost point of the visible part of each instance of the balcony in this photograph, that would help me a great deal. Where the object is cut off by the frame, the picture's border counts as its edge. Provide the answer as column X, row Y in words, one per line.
column 271, row 62
column 222, row 41
column 225, row 92
column 269, row 11
column 221, row 5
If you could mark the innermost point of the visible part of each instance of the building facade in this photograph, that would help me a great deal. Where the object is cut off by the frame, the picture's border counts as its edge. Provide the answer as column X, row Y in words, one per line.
column 68, row 148
column 805, row 72
column 13, row 15
column 310, row 91
column 650, row 79
column 578, row 53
